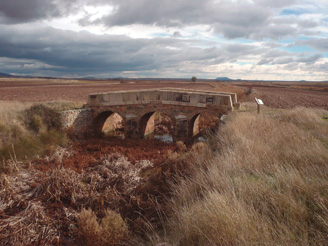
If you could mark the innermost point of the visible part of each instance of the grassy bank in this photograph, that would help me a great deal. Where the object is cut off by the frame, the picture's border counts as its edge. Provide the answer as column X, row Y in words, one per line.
column 28, row 130
column 265, row 184
column 260, row 180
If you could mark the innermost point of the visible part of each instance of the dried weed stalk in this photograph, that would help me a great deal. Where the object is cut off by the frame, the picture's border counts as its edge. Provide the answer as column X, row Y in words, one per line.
column 31, row 226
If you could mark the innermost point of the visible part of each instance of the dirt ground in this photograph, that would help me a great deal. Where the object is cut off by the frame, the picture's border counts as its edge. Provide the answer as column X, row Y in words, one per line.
column 41, row 90
column 288, row 94
column 274, row 94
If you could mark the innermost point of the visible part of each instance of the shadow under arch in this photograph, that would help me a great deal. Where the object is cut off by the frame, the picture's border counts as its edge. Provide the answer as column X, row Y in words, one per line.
column 156, row 123
column 105, row 120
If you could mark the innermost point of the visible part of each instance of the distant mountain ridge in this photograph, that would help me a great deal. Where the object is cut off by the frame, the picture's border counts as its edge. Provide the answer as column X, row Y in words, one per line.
column 223, row 78
column 5, row 75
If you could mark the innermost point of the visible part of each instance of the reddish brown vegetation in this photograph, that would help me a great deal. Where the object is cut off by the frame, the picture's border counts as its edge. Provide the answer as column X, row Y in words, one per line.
column 129, row 177
column 87, row 152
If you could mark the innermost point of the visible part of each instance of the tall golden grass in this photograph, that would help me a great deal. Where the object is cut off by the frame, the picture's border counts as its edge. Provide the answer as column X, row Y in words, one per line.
column 112, row 229
column 17, row 137
column 265, row 184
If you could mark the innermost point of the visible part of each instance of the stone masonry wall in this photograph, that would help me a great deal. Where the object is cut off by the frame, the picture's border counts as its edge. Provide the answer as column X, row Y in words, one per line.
column 78, row 121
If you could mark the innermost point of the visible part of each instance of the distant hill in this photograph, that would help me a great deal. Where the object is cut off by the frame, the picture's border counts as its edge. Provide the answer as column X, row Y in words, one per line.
column 5, row 75
column 223, row 78
column 88, row 78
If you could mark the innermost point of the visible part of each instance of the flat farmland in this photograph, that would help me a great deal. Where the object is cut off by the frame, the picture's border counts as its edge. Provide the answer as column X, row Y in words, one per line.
column 274, row 94
column 41, row 90
column 288, row 94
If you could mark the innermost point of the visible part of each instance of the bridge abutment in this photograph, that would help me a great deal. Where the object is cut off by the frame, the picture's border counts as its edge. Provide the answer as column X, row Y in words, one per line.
column 132, row 128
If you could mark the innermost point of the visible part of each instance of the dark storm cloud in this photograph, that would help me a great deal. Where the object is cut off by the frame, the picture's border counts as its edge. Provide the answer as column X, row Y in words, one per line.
column 20, row 11
column 232, row 19
column 67, row 51
column 26, row 45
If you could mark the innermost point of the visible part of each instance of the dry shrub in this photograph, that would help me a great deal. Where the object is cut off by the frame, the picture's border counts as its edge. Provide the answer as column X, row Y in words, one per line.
column 17, row 188
column 39, row 116
column 32, row 226
column 89, row 227
column 32, row 131
column 112, row 229
column 116, row 171
column 10, row 109
column 63, row 185
column 265, row 183
column 62, row 191
column 181, row 146
column 11, row 128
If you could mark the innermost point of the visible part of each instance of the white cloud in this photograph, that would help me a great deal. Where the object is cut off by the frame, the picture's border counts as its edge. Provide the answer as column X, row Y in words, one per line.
column 251, row 39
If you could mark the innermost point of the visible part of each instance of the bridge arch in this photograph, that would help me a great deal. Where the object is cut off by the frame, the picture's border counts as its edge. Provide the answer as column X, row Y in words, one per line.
column 108, row 121
column 202, row 122
column 154, row 121
column 193, row 128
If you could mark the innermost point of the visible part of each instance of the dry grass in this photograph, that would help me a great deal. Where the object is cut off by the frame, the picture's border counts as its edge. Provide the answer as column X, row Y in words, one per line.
column 32, row 226
column 112, row 229
column 36, row 206
column 265, row 185
column 30, row 130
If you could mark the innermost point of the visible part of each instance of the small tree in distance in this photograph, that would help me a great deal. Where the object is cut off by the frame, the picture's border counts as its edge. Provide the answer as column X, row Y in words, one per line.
column 193, row 79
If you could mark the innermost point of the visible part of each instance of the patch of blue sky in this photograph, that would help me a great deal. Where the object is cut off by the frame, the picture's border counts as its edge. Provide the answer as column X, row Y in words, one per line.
column 325, row 54
column 304, row 38
column 298, row 49
column 287, row 41
column 244, row 63
column 298, row 11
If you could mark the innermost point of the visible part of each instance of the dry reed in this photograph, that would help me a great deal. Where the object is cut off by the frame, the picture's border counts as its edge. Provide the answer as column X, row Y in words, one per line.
column 266, row 184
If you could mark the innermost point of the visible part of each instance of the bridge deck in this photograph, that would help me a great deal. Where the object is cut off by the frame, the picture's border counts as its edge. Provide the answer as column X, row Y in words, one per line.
column 181, row 97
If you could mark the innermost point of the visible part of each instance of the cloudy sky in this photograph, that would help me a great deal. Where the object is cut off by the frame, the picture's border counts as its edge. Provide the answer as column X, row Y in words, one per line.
column 247, row 39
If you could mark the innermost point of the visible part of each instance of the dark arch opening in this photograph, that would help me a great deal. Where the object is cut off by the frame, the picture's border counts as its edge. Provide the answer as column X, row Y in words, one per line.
column 109, row 123
column 156, row 124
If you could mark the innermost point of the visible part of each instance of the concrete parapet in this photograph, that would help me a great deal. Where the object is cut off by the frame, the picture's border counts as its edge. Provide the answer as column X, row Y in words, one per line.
column 171, row 96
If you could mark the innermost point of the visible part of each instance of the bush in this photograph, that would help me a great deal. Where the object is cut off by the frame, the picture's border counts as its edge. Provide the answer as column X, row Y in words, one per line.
column 31, row 132
column 89, row 227
column 112, row 229
column 39, row 117
column 193, row 79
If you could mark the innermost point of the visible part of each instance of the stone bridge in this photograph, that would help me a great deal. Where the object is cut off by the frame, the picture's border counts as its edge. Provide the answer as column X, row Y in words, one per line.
column 182, row 106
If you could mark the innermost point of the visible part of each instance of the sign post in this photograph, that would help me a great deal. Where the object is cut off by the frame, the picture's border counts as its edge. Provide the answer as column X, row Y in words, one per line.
column 259, row 102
